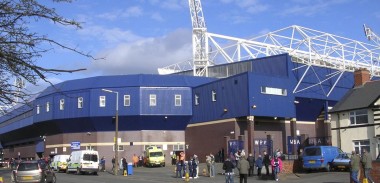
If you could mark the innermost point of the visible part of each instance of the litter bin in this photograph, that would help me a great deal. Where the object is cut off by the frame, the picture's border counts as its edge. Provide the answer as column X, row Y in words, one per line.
column 130, row 169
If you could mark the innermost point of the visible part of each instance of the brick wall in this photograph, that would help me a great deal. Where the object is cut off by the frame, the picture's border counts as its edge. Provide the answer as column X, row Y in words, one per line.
column 375, row 173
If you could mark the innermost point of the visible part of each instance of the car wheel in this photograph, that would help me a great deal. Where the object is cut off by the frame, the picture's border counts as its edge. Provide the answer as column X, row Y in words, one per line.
column 54, row 179
column 44, row 180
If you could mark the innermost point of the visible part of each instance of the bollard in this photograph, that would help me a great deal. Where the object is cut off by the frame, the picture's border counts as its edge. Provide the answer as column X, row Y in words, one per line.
column 204, row 172
column 125, row 173
column 187, row 178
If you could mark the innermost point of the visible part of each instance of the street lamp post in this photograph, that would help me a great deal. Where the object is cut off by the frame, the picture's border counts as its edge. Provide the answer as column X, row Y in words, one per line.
column 115, row 170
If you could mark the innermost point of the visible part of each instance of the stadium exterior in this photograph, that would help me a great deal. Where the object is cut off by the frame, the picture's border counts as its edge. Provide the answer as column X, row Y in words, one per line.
column 198, row 115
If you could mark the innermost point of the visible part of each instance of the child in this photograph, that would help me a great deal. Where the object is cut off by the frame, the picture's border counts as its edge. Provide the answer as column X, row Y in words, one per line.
column 276, row 166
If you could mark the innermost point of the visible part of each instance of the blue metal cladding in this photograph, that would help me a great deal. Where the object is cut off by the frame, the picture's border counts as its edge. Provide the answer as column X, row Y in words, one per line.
column 275, row 66
column 165, row 101
column 231, row 99
column 70, row 108
column 16, row 125
column 269, row 104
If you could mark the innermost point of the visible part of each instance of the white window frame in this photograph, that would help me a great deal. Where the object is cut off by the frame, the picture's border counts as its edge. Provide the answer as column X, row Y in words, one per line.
column 90, row 148
column 177, row 100
column 61, row 104
column 47, row 106
column 213, row 95
column 121, row 148
column 196, row 99
column 102, row 101
column 127, row 100
column 274, row 91
column 353, row 116
column 38, row 109
column 152, row 100
column 360, row 144
column 80, row 102
column 179, row 147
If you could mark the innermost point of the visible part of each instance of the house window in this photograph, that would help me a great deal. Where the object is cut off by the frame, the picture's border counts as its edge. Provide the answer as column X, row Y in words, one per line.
column 213, row 95
column 38, row 109
column 359, row 117
column 80, row 102
column 152, row 100
column 196, row 98
column 47, row 106
column 273, row 91
column 61, row 104
column 102, row 101
column 359, row 145
column 178, row 100
column 178, row 147
column 127, row 100
column 121, row 148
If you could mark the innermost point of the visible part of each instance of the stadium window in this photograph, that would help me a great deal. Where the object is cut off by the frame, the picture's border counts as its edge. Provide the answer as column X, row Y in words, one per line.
column 90, row 148
column 273, row 91
column 38, row 109
column 213, row 95
column 178, row 101
column 61, row 104
column 359, row 117
column 47, row 106
column 152, row 100
column 121, row 148
column 196, row 99
column 102, row 101
column 178, row 147
column 80, row 102
column 127, row 100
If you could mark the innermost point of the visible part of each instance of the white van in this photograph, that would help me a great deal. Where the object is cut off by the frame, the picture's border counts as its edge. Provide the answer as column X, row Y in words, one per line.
column 59, row 162
column 83, row 161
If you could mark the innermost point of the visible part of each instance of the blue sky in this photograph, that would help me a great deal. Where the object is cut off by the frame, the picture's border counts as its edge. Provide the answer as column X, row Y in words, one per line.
column 138, row 36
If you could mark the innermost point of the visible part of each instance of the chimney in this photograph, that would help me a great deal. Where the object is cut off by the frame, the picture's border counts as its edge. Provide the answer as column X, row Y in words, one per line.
column 361, row 76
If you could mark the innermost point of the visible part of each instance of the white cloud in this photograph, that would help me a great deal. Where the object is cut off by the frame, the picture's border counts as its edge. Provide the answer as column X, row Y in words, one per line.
column 110, row 35
column 145, row 55
column 134, row 11
column 310, row 8
column 250, row 6
column 157, row 16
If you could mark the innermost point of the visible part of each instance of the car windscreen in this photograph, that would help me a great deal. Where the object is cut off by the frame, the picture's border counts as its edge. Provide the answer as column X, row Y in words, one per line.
column 155, row 154
column 90, row 157
column 27, row 166
column 312, row 151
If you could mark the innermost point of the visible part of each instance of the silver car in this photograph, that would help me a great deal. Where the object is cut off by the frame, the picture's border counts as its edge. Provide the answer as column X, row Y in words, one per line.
column 34, row 171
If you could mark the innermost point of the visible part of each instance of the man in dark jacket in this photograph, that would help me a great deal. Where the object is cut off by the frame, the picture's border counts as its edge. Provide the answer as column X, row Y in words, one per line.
column 243, row 167
column 266, row 162
column 228, row 167
column 251, row 161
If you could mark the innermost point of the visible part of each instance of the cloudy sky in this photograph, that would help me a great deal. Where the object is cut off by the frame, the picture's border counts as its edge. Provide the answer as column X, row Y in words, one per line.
column 139, row 36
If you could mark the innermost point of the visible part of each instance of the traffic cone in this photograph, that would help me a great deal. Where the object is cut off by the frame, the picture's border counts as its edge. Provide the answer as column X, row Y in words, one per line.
column 125, row 173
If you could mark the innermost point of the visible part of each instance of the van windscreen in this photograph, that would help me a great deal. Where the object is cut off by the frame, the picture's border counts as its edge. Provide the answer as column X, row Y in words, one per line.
column 90, row 157
column 313, row 151
column 155, row 154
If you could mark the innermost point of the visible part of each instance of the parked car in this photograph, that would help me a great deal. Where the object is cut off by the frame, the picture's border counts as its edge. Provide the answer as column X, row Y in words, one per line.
column 34, row 171
column 342, row 161
column 319, row 157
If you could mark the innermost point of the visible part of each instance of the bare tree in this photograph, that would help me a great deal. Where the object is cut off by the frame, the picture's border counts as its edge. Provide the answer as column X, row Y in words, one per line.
column 20, row 47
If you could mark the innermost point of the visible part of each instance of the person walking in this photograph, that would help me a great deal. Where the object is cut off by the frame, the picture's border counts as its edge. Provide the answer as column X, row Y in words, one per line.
column 367, row 165
column 276, row 166
column 212, row 165
column 103, row 164
column 259, row 165
column 208, row 164
column 124, row 163
column 251, row 161
column 135, row 160
column 243, row 167
column 178, row 169
column 113, row 163
column 354, row 165
column 228, row 168
column 266, row 161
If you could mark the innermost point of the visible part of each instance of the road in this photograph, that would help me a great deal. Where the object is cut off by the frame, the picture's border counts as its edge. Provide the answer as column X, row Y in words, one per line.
column 166, row 174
